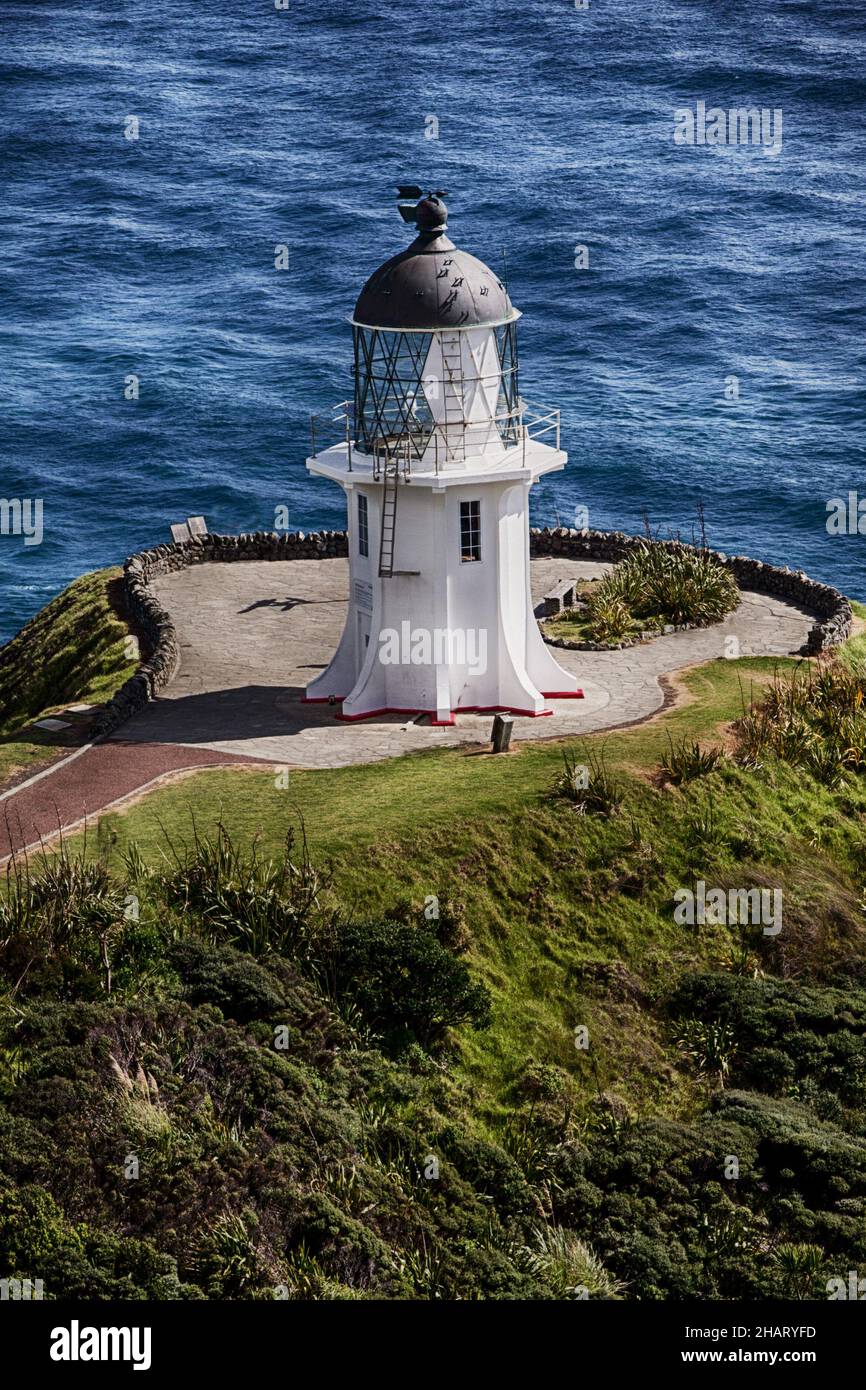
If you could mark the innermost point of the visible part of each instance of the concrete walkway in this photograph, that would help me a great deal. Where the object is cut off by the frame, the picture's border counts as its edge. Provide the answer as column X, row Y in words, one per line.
column 252, row 636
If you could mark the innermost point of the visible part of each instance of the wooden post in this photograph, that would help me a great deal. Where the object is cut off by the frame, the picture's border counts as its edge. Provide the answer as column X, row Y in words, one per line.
column 502, row 727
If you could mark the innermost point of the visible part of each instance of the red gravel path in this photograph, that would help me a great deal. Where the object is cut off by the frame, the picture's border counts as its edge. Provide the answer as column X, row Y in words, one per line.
column 103, row 774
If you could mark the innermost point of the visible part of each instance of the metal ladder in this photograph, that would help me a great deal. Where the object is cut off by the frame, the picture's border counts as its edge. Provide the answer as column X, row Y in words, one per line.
column 453, row 407
column 390, row 478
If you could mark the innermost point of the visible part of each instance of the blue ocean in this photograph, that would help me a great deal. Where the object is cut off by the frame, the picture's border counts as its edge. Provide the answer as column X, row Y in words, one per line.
column 695, row 310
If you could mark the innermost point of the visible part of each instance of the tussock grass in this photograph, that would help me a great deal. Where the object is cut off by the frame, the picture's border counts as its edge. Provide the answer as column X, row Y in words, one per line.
column 813, row 718
column 689, row 759
column 654, row 586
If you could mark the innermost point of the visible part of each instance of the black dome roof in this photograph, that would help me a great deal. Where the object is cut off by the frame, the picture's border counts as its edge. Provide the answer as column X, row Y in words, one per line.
column 433, row 285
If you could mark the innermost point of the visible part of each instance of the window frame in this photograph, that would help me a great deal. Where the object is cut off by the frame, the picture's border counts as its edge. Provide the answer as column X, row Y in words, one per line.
column 363, row 526
column 470, row 532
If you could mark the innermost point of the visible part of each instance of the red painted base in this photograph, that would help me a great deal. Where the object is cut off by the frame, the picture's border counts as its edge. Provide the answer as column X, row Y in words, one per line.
column 445, row 723
column 374, row 714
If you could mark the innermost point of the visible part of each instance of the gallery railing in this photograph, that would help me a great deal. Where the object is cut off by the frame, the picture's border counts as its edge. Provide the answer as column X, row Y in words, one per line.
column 410, row 441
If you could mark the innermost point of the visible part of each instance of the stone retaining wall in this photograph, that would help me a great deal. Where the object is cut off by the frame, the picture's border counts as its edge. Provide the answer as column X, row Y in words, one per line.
column 831, row 607
column 154, row 624
column 150, row 619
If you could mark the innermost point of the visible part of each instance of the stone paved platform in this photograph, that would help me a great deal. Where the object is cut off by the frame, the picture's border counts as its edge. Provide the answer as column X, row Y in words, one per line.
column 254, row 634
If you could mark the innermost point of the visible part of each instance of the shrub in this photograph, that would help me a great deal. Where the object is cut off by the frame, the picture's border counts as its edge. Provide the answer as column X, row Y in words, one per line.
column 406, row 984
column 656, row 584
column 688, row 759
column 568, row 1265
column 704, row 833
column 238, row 986
column 586, row 781
column 224, row 1259
column 785, row 1032
column 610, row 621
column 494, row 1173
column 709, row 1045
column 241, row 899
column 74, row 1260
column 67, row 912
column 800, row 1266
column 814, row 719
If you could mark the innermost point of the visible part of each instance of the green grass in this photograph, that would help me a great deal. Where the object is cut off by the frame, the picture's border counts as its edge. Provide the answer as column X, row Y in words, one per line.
column 554, row 901
column 371, row 806
column 72, row 652
column 569, row 922
column 854, row 651
column 570, row 916
column 572, row 624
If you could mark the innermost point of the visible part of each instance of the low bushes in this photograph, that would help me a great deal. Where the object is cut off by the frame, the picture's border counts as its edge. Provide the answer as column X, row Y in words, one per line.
column 240, row 897
column 688, row 759
column 656, row 586
column 814, row 719
column 405, row 984
column 311, row 1108
column 781, row 1035
column 229, row 1090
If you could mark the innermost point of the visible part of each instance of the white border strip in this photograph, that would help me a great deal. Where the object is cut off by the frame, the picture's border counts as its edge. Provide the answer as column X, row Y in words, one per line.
column 46, row 772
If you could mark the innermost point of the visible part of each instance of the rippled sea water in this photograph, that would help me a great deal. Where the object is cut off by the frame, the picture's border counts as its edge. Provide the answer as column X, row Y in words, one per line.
column 260, row 126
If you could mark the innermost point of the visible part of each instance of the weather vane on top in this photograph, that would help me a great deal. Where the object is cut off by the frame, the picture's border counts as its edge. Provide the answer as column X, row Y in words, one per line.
column 428, row 211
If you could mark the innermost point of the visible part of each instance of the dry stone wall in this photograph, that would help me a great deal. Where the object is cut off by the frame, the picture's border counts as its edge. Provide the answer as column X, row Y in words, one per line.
column 831, row 608
column 153, row 623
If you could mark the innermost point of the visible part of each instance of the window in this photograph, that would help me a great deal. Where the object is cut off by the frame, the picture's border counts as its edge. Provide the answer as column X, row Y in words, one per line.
column 470, row 531
column 363, row 526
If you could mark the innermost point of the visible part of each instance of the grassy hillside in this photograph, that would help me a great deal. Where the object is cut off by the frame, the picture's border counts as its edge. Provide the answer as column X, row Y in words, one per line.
column 448, row 1039
column 506, row 1070
column 72, row 652
column 403, row 801
column 553, row 900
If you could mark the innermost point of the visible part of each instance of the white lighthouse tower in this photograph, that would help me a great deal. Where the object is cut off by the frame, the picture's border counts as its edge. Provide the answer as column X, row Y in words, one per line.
column 437, row 461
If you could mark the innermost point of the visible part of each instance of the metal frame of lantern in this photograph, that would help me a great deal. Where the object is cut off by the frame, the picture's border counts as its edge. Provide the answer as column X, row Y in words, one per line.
column 391, row 409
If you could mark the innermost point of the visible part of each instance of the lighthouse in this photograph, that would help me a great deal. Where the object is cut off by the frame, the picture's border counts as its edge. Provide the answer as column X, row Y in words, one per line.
column 437, row 457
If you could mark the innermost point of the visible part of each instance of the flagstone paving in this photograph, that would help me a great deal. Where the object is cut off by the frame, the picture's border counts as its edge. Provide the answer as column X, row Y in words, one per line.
column 253, row 634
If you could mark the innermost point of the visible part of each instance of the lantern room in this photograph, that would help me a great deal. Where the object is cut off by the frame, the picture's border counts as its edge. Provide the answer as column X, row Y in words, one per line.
column 435, row 341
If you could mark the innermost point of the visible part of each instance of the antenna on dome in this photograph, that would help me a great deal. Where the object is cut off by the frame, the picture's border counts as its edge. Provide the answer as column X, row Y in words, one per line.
column 429, row 213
